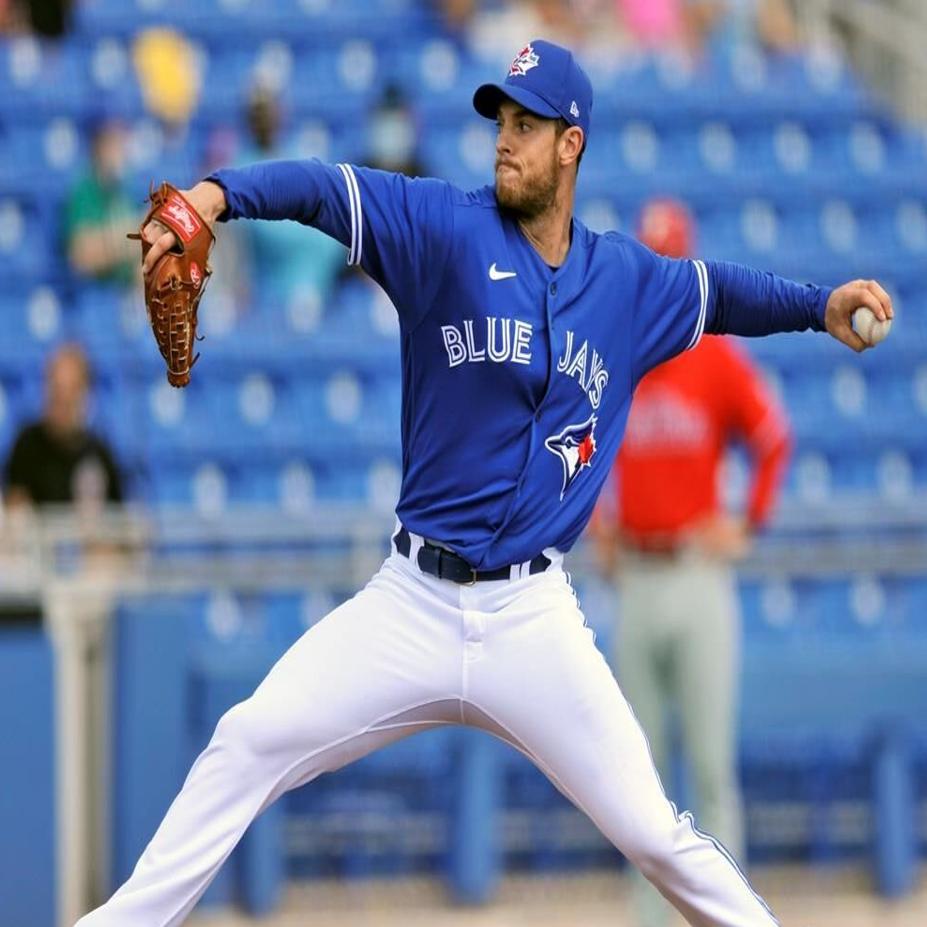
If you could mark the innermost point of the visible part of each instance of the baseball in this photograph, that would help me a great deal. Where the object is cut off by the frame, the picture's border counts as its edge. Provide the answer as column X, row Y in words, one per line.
column 868, row 327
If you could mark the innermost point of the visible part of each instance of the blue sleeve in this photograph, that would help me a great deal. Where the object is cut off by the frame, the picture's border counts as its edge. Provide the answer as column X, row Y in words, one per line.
column 750, row 302
column 398, row 229
column 680, row 300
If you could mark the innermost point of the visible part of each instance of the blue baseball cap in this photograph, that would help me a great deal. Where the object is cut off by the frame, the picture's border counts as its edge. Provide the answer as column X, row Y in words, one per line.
column 547, row 81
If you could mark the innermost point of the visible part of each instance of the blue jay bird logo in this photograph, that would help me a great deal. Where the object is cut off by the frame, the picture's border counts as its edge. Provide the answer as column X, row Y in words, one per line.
column 575, row 446
column 524, row 61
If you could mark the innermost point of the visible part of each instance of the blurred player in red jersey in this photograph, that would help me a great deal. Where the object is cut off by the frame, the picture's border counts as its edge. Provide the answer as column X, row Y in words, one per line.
column 671, row 547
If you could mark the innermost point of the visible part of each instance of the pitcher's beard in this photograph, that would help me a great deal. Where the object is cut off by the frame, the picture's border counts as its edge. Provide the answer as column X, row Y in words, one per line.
column 528, row 197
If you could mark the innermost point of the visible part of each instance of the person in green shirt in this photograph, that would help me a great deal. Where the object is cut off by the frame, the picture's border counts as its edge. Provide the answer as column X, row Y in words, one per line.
column 100, row 211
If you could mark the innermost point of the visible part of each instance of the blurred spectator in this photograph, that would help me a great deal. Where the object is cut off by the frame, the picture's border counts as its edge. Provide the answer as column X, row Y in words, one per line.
column 693, row 25
column 394, row 135
column 230, row 286
column 48, row 18
column 7, row 17
column 58, row 459
column 770, row 23
column 168, row 72
column 655, row 23
column 100, row 211
column 168, row 75
column 393, row 138
column 289, row 261
column 458, row 13
column 494, row 32
column 670, row 547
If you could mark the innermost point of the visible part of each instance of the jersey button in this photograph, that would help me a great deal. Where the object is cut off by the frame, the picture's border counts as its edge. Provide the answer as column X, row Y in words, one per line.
column 553, row 288
column 537, row 417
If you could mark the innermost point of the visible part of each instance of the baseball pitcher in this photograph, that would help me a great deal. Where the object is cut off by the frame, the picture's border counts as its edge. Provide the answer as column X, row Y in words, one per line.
column 523, row 335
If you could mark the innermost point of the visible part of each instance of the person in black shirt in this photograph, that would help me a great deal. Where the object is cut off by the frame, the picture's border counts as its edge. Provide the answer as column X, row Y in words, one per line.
column 57, row 459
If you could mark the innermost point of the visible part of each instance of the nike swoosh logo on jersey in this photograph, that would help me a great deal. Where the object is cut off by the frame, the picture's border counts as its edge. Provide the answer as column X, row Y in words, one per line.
column 500, row 274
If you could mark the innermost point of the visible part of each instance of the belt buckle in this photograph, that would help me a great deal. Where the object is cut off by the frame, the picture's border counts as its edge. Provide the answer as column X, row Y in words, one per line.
column 472, row 580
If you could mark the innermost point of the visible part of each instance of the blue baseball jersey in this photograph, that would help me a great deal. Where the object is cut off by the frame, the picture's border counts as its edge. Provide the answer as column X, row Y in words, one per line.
column 517, row 377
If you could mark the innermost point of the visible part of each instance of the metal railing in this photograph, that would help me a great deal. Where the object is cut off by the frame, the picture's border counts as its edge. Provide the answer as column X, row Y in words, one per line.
column 135, row 549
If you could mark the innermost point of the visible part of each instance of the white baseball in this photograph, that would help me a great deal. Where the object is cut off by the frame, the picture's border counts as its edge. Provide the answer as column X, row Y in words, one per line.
column 868, row 327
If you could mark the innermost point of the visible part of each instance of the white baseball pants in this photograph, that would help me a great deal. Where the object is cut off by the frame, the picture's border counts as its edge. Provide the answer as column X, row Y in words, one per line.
column 409, row 652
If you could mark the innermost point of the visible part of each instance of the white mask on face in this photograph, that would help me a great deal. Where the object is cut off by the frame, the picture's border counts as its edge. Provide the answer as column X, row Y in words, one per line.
column 392, row 137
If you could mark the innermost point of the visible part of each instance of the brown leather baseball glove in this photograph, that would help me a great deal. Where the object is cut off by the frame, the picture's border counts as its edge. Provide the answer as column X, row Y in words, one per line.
column 176, row 283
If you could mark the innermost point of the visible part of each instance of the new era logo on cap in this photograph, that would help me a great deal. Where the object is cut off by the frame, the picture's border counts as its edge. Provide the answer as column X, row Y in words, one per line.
column 574, row 110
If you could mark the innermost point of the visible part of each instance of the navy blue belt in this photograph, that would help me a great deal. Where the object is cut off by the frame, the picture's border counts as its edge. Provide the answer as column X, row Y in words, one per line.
column 445, row 564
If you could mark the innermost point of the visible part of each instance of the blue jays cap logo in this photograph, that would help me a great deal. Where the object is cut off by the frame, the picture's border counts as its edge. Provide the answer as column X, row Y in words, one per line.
column 575, row 446
column 524, row 61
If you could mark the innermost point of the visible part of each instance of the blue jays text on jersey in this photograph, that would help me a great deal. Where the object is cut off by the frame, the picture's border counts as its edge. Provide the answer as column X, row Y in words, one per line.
column 516, row 377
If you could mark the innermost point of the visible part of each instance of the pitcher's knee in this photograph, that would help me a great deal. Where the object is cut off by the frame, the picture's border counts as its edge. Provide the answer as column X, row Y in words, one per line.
column 256, row 730
column 654, row 849
column 241, row 732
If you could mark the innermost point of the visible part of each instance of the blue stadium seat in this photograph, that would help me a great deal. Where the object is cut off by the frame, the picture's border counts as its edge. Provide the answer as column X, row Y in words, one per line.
column 464, row 153
column 439, row 78
column 903, row 225
column 291, row 614
column 175, row 419
column 26, row 250
column 770, row 609
column 40, row 78
column 341, row 478
column 254, row 410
